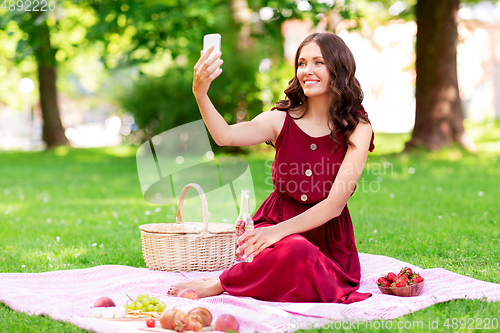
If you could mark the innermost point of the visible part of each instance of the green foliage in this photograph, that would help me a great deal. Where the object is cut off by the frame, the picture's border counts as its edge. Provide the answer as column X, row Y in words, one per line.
column 159, row 104
column 380, row 11
column 66, row 25
column 134, row 32
column 236, row 89
column 11, row 321
column 272, row 83
column 10, row 73
column 76, row 57
column 473, row 2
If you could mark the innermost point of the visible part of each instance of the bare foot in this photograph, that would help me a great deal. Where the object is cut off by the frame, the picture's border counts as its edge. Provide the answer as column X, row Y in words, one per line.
column 205, row 287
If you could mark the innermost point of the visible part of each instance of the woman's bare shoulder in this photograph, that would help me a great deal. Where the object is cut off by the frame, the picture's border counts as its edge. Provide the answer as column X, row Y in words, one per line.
column 275, row 119
column 362, row 134
column 365, row 128
column 273, row 114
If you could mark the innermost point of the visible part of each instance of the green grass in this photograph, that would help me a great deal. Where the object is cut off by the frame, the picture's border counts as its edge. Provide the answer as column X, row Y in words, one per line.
column 78, row 208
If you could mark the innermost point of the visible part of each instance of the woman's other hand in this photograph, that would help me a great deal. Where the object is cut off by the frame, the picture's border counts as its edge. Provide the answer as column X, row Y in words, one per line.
column 254, row 241
column 206, row 70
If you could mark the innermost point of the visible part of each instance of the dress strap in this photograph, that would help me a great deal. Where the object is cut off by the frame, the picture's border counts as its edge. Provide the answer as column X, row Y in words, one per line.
column 282, row 131
column 372, row 145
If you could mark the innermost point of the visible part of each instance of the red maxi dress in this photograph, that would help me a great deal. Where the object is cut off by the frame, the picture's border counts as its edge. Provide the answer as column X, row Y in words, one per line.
column 319, row 265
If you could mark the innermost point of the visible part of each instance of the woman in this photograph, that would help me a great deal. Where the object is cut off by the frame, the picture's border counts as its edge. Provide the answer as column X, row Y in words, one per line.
column 303, row 245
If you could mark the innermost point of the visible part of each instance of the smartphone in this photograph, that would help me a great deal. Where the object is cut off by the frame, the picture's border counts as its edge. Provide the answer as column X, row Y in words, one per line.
column 212, row 39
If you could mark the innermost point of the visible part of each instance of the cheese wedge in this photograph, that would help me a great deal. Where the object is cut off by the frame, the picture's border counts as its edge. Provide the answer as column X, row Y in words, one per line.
column 109, row 313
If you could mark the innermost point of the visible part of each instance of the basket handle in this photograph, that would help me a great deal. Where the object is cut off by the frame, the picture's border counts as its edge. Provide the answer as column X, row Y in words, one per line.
column 204, row 205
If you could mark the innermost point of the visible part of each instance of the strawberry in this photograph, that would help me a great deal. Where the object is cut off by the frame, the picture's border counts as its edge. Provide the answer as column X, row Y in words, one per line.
column 181, row 322
column 406, row 270
column 394, row 285
column 401, row 282
column 150, row 323
column 418, row 278
column 391, row 277
column 181, row 325
column 403, row 277
column 383, row 282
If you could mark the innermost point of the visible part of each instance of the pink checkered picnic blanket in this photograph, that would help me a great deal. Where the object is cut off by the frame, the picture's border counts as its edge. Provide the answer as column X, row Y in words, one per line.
column 68, row 295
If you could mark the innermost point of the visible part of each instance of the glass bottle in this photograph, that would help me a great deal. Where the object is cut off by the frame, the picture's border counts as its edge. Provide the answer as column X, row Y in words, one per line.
column 244, row 221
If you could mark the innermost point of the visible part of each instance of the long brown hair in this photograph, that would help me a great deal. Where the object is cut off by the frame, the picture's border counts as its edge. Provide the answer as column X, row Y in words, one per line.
column 344, row 87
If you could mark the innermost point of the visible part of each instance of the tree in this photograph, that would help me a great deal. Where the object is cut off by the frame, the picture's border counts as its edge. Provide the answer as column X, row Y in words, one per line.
column 34, row 25
column 53, row 130
column 439, row 112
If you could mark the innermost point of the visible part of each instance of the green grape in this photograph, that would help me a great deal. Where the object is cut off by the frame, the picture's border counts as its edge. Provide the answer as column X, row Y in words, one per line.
column 140, row 297
column 146, row 296
column 146, row 301
column 145, row 309
column 151, row 307
column 152, row 300
column 131, row 305
column 162, row 306
column 157, row 308
column 138, row 305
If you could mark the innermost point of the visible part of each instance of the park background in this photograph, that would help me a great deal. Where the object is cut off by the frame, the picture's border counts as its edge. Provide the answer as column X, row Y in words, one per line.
column 123, row 74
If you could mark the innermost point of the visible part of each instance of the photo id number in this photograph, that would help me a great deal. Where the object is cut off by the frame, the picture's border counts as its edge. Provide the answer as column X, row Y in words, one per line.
column 471, row 323
column 28, row 5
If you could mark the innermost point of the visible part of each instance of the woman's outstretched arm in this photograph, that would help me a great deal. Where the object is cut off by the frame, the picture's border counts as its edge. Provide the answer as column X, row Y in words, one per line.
column 349, row 173
column 264, row 127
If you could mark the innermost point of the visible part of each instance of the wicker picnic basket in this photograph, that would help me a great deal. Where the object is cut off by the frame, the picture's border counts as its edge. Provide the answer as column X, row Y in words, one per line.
column 189, row 246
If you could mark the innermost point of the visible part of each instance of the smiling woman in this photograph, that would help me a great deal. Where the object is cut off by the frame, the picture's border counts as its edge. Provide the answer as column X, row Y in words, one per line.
column 332, row 66
column 303, row 236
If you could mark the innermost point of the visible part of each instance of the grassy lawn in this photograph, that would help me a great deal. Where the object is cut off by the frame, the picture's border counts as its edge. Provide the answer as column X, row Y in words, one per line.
column 78, row 208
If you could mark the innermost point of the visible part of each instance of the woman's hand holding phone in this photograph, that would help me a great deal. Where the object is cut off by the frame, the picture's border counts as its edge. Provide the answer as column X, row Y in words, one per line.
column 206, row 70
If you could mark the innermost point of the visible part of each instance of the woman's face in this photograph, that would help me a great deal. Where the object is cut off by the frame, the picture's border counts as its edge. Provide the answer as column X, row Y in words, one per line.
column 312, row 72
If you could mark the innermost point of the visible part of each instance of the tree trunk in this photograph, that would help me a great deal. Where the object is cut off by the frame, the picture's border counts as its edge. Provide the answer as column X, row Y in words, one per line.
column 439, row 112
column 53, row 130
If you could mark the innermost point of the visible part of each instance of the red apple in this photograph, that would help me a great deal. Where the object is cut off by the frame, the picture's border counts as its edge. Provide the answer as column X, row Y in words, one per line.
column 104, row 302
column 227, row 323
column 189, row 293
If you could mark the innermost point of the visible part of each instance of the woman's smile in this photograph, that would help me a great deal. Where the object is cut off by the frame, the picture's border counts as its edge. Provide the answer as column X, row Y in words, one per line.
column 309, row 83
